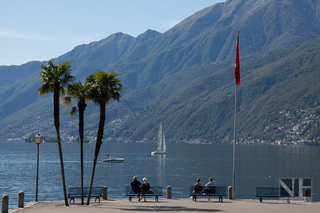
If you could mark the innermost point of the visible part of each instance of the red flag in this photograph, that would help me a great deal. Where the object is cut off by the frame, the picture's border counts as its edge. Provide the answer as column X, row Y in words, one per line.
column 237, row 64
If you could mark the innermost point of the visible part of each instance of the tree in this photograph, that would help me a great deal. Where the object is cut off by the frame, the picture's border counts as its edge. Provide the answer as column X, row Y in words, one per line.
column 104, row 87
column 55, row 78
column 78, row 91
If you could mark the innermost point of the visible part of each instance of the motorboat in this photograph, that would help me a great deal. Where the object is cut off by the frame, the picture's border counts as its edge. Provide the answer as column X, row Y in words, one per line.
column 113, row 159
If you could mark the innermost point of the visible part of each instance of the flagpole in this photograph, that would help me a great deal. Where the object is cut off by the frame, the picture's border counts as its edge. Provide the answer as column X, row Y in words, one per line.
column 237, row 76
column 235, row 141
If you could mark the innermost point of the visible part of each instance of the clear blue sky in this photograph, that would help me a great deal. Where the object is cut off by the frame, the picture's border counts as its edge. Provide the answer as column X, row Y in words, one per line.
column 42, row 29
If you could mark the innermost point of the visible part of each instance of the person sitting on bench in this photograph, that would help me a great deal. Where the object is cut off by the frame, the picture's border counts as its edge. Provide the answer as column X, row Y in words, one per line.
column 136, row 187
column 211, row 186
column 145, row 188
column 197, row 188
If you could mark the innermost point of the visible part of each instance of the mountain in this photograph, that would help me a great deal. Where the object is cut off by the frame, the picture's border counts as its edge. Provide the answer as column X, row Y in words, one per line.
column 184, row 76
column 203, row 109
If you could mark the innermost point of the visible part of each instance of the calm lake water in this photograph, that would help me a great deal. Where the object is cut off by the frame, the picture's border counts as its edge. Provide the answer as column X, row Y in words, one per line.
column 179, row 168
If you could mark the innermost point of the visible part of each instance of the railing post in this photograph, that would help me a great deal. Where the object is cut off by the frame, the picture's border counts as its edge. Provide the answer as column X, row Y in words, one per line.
column 307, row 195
column 169, row 192
column 4, row 204
column 230, row 190
column 105, row 193
column 21, row 199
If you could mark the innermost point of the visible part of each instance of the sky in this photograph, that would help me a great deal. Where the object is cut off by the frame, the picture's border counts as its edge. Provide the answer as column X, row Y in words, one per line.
column 39, row 30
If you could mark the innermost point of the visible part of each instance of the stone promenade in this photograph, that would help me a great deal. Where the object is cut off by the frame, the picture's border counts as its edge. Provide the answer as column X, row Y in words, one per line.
column 170, row 205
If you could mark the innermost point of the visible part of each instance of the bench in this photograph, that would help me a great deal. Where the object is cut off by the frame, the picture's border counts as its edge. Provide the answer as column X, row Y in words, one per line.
column 157, row 191
column 75, row 192
column 219, row 191
column 267, row 192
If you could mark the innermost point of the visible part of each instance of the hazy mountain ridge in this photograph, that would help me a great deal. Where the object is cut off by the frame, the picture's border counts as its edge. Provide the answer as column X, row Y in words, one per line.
column 159, row 69
column 13, row 74
column 198, row 40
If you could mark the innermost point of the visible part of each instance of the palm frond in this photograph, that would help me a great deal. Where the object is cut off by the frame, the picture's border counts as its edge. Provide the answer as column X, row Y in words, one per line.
column 65, row 100
column 45, row 89
column 104, row 86
column 50, row 77
column 73, row 111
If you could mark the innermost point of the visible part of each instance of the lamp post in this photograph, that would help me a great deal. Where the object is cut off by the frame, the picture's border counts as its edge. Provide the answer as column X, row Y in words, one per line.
column 37, row 140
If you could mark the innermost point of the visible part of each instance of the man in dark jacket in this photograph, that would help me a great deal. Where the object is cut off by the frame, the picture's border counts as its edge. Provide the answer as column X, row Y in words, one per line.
column 136, row 187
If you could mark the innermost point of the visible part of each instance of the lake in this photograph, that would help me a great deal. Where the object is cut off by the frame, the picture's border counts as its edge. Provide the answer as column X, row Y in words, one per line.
column 256, row 165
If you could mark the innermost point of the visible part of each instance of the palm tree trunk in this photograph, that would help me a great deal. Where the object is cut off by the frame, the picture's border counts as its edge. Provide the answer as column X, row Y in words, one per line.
column 56, row 113
column 98, row 145
column 81, row 106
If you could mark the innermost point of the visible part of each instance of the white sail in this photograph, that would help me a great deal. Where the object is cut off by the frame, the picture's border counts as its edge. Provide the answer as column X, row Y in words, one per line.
column 164, row 148
column 161, row 142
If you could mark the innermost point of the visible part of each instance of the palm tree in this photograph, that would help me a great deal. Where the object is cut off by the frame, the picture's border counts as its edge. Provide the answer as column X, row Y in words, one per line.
column 55, row 78
column 78, row 91
column 104, row 87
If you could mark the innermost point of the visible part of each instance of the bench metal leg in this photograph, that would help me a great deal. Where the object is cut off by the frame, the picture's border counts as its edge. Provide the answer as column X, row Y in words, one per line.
column 96, row 199
column 260, row 199
column 130, row 199
column 72, row 199
column 220, row 199
column 156, row 198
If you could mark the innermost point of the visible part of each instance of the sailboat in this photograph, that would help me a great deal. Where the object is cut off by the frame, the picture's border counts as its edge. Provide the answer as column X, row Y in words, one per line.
column 161, row 143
